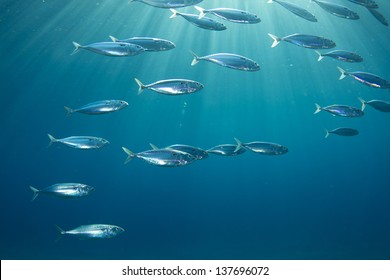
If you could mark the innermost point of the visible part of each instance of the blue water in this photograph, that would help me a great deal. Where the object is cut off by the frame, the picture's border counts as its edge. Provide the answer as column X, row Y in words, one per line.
column 324, row 199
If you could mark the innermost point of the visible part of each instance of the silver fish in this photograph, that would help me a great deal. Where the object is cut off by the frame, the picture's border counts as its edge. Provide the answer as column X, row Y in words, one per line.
column 232, row 15
column 161, row 157
column 196, row 152
column 366, row 3
column 110, row 48
column 80, row 142
column 99, row 107
column 93, row 231
column 65, row 190
column 337, row 10
column 149, row 44
column 171, row 87
column 340, row 110
column 368, row 79
column 381, row 18
column 306, row 41
column 167, row 4
column 226, row 150
column 265, row 148
column 205, row 23
column 229, row 60
column 379, row 105
column 342, row 131
column 296, row 10
column 341, row 55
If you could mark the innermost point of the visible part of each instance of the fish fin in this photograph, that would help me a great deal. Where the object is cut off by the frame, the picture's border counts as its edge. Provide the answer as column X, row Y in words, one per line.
column 270, row 1
column 141, row 86
column 69, row 111
column 195, row 60
column 318, row 108
column 320, row 57
column 363, row 103
column 201, row 11
column 326, row 133
column 129, row 153
column 174, row 13
column 343, row 73
column 35, row 193
column 52, row 140
column 276, row 40
column 77, row 48
column 154, row 147
column 61, row 233
column 113, row 38
column 239, row 145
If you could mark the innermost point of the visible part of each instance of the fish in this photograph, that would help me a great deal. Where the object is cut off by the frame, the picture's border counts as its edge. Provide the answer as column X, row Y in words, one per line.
column 147, row 43
column 161, row 157
column 80, row 142
column 341, row 55
column 340, row 110
column 196, row 152
column 99, row 107
column 94, row 231
column 366, row 3
column 306, row 41
column 226, row 150
column 64, row 190
column 167, row 4
column 368, row 79
column 233, row 15
column 337, row 10
column 171, row 87
column 110, row 48
column 296, row 10
column 381, row 18
column 265, row 148
column 205, row 22
column 228, row 60
column 379, row 105
column 342, row 131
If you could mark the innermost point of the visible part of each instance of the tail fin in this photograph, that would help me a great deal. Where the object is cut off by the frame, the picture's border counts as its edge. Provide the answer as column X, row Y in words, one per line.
column 320, row 57
column 174, row 13
column 69, row 111
column 77, row 48
column 201, row 11
column 276, row 40
column 154, row 147
column 113, row 38
column 61, row 232
column 35, row 193
column 129, row 153
column 363, row 103
column 343, row 73
column 318, row 108
column 52, row 139
column 239, row 145
column 326, row 133
column 141, row 86
column 195, row 60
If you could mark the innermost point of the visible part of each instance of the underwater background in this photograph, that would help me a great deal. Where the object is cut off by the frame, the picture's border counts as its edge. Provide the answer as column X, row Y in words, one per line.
column 324, row 199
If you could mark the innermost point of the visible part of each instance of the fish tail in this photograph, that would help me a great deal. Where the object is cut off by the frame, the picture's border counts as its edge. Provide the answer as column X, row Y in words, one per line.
column 141, row 86
column 113, row 38
column 154, row 147
column 343, row 73
column 326, row 133
column 129, row 153
column 320, row 57
column 35, row 193
column 318, row 108
column 52, row 139
column 174, row 13
column 239, row 144
column 201, row 11
column 195, row 60
column 363, row 103
column 69, row 111
column 61, row 232
column 77, row 48
column 276, row 40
